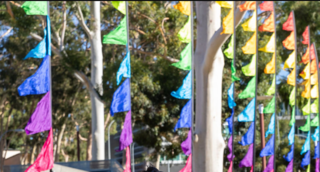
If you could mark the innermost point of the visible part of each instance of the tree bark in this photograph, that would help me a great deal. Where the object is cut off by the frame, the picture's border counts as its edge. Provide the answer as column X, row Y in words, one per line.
column 158, row 161
column 58, row 149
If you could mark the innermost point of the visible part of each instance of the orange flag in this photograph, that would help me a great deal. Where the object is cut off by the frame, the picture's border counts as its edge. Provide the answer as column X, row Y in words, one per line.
column 248, row 5
column 305, row 57
column 270, row 67
column 183, row 7
column 227, row 23
column 291, row 80
column 313, row 66
column 305, row 36
column 306, row 92
column 268, row 25
column 288, row 43
column 250, row 47
column 288, row 25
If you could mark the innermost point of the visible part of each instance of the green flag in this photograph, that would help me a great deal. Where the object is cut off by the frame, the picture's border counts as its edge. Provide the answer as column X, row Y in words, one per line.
column 185, row 59
column 120, row 5
column 306, row 108
column 272, row 89
column 270, row 107
column 184, row 34
column 118, row 35
column 35, row 7
column 306, row 126
column 315, row 106
column 315, row 121
column 250, row 69
column 293, row 119
column 249, row 91
column 233, row 73
column 228, row 52
column 292, row 97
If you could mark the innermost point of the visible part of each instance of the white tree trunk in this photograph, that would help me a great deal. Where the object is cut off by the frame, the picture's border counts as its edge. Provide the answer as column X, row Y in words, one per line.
column 97, row 106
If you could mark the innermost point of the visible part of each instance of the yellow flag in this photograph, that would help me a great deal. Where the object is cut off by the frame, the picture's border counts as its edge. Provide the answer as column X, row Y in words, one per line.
column 291, row 80
column 225, row 4
column 314, row 91
column 251, row 24
column 306, row 92
column 250, row 47
column 227, row 23
column 305, row 74
column 289, row 63
column 270, row 67
column 183, row 7
column 269, row 48
column 314, row 78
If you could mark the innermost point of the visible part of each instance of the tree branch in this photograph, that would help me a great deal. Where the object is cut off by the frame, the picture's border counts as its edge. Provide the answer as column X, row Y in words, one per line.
column 81, row 21
column 7, row 32
column 9, row 10
column 39, row 38
column 170, row 59
column 16, row 4
column 107, row 120
column 63, row 25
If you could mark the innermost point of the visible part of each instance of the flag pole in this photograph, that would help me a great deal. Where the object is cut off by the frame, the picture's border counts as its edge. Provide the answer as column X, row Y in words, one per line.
column 275, row 89
column 234, row 61
column 317, row 60
column 192, row 81
column 309, row 46
column 295, row 76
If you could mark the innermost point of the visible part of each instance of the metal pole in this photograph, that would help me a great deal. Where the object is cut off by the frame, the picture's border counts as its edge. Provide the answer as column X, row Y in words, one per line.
column 168, row 167
column 317, row 60
column 275, row 89
column 263, row 140
column 109, row 155
column 192, row 82
column 255, row 102
column 78, row 143
column 310, row 89
column 132, row 157
column 234, row 61
column 295, row 68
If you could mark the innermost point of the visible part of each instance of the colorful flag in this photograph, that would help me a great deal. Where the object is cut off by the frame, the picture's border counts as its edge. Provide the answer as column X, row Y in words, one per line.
column 270, row 67
column 315, row 136
column 314, row 91
column 316, row 153
column 313, row 66
column 291, row 79
column 293, row 119
column 305, row 57
column 227, row 23
column 306, row 108
column 185, row 59
column 315, row 121
column 186, row 145
column 233, row 73
column 124, row 69
column 292, row 97
column 313, row 53
column 305, row 74
column 121, row 100
column 225, row 4
column 269, row 167
column 120, row 5
column 247, row 138
column 39, row 82
column 44, row 160
column 250, row 47
column 270, row 107
column 306, row 145
column 290, row 62
column 231, row 102
column 288, row 43
column 229, row 156
column 40, row 120
column 289, row 156
column 183, row 7
column 288, row 25
column 249, row 91
column 251, row 24
column 230, row 167
column 271, row 126
column 306, row 126
column 291, row 135
column 228, row 52
column 126, row 133
column 269, row 47
column 305, row 36
column 315, row 106
column 248, row 5
column 268, row 149
column 247, row 115
column 317, row 165
column 184, row 92
column 272, row 88
column 230, row 121
column 306, row 92
column 128, row 160
column 306, row 159
column 184, row 34
column 35, row 7
column 185, row 117
column 314, row 78
column 118, row 35
column 290, row 167
column 268, row 25
column 40, row 51
column 266, row 6
column 188, row 167
column 248, row 158
column 250, row 69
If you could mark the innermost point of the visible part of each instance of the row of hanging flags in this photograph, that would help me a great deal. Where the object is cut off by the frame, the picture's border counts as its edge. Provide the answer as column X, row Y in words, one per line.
column 309, row 74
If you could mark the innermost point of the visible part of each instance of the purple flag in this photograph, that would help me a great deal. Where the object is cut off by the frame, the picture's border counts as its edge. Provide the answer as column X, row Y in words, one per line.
column 247, row 160
column 126, row 133
column 230, row 158
column 290, row 167
column 41, row 118
column 269, row 167
column 317, row 165
column 186, row 145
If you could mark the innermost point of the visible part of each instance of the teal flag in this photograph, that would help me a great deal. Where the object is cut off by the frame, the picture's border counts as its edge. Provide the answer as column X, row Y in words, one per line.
column 184, row 34
column 315, row 136
column 306, row 145
column 249, row 91
column 118, row 35
column 228, row 52
column 271, row 126
column 185, row 59
column 120, row 5
column 231, row 102
column 125, row 68
column 35, row 7
column 247, row 115
column 270, row 107
column 184, row 92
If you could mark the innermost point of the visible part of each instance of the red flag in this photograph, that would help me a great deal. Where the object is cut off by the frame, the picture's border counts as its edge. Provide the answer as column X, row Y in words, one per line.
column 128, row 160
column 306, row 36
column 248, row 5
column 44, row 160
column 288, row 43
column 188, row 167
column 268, row 25
column 288, row 25
column 266, row 6
column 313, row 53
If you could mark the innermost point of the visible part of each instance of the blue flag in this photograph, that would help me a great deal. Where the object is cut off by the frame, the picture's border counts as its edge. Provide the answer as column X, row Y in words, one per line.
column 316, row 151
column 268, row 149
column 230, row 121
column 306, row 159
column 248, row 137
column 306, row 145
column 121, row 100
column 39, row 82
column 185, row 117
column 291, row 135
column 315, row 136
column 231, row 102
column 270, row 126
column 124, row 69
column 184, row 92
column 289, row 156
column 247, row 115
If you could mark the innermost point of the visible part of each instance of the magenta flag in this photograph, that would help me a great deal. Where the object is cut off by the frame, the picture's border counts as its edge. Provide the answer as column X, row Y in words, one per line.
column 128, row 160
column 317, row 165
column 126, row 133
column 251, row 170
column 230, row 167
column 188, row 167
column 230, row 157
column 290, row 166
column 186, row 145
column 44, row 160
column 247, row 160
column 41, row 118
column 270, row 165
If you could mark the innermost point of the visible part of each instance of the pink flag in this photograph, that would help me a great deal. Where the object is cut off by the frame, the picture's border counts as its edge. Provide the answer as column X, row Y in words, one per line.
column 188, row 167
column 44, row 160
column 128, row 162
column 317, row 165
column 251, row 169
column 230, row 167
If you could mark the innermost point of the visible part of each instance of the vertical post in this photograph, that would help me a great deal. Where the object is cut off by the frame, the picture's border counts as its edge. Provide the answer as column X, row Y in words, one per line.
column 317, row 60
column 310, row 89
column 275, row 89
column 192, row 82
column 78, row 143
column 234, row 61
column 109, row 153
column 295, row 67
column 255, row 97
column 263, row 140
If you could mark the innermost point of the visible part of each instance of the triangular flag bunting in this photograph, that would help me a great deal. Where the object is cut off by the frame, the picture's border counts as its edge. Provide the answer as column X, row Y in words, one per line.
column 126, row 133
column 268, row 25
column 250, row 69
column 35, row 7
column 118, row 35
column 248, row 5
column 227, row 24
column 247, row 115
column 288, row 43
column 250, row 90
column 183, row 7
column 270, row 67
column 120, row 5
column 288, row 25
column 121, row 100
column 185, row 59
column 124, row 69
column 250, row 25
column 250, row 46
